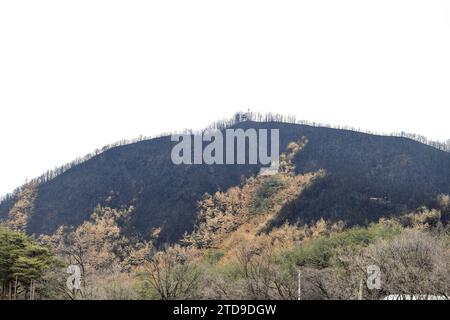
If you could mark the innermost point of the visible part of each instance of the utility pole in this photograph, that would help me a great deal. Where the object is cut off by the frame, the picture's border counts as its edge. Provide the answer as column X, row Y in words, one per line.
column 360, row 291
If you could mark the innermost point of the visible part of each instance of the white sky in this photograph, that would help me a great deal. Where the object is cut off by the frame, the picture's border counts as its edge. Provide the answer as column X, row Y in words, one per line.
column 76, row 75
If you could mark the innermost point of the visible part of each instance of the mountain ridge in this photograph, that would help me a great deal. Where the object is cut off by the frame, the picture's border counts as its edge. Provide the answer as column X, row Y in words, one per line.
column 368, row 177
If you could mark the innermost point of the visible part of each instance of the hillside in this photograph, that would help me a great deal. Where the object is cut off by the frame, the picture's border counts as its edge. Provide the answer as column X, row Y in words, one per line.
column 235, row 254
column 367, row 177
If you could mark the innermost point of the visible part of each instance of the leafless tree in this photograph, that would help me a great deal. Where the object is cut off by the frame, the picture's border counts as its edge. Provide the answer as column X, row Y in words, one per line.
column 171, row 273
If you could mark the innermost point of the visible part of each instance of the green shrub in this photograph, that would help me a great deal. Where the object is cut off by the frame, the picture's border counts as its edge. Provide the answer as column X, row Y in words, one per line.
column 213, row 256
column 318, row 252
column 263, row 196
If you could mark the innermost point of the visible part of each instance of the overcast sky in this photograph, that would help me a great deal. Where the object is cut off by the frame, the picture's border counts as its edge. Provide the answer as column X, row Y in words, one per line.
column 76, row 75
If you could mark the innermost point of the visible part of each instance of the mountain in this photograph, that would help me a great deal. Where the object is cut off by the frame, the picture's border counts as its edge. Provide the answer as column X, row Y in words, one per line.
column 367, row 177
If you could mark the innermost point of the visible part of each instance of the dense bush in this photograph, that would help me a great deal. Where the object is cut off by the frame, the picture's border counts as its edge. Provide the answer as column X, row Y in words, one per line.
column 318, row 252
